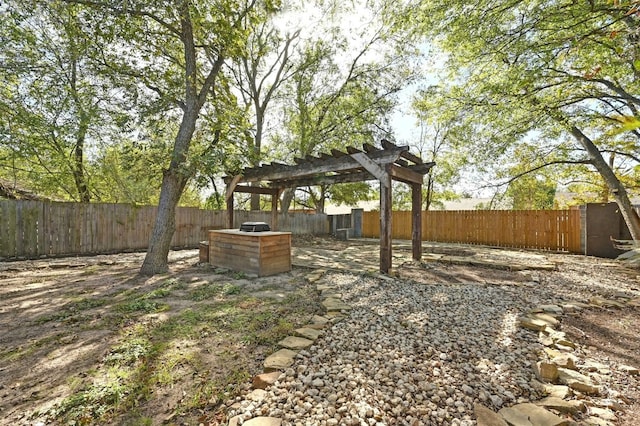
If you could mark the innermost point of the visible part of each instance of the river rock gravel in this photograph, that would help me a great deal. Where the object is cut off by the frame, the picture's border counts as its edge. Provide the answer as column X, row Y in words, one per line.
column 408, row 352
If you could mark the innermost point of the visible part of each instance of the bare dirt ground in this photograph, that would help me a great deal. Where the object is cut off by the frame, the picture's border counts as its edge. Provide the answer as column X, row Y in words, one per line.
column 89, row 341
column 611, row 335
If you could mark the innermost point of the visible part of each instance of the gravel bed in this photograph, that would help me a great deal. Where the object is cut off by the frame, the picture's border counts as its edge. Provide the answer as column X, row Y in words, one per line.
column 415, row 354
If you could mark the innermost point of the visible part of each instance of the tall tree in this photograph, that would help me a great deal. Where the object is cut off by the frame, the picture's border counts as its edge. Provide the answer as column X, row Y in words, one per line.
column 552, row 68
column 345, row 85
column 443, row 140
column 54, row 102
column 176, row 52
column 265, row 65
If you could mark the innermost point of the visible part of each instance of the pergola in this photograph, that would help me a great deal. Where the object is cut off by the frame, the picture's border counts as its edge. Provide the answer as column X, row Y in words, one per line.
column 391, row 162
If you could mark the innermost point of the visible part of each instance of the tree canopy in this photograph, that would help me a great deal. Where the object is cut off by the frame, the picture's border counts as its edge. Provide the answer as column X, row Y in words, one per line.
column 564, row 74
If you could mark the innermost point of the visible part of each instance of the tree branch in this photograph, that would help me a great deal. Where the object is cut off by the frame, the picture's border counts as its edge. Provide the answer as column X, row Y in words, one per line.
column 534, row 169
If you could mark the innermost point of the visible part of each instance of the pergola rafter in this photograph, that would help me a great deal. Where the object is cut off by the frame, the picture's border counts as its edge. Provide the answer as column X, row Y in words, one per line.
column 391, row 162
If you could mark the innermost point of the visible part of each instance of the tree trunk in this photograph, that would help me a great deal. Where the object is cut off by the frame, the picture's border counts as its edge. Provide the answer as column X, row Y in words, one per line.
column 428, row 198
column 173, row 183
column 287, row 198
column 255, row 201
column 613, row 183
column 78, row 161
column 176, row 176
column 321, row 199
column 156, row 260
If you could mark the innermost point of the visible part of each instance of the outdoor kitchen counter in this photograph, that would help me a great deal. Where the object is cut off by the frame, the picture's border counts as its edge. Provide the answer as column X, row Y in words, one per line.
column 262, row 253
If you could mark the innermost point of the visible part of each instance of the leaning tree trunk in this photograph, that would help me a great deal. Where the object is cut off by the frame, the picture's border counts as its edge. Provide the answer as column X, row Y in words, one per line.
column 613, row 183
column 176, row 176
column 173, row 183
column 156, row 260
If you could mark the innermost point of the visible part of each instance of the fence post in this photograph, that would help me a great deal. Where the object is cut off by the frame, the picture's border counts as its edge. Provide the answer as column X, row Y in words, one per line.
column 356, row 222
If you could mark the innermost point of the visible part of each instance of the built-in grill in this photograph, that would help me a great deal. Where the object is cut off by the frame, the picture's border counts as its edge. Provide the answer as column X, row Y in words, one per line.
column 254, row 227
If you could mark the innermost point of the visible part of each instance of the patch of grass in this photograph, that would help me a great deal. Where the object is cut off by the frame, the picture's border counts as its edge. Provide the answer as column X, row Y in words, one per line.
column 128, row 352
column 141, row 306
column 117, row 386
column 249, row 303
column 182, row 325
column 174, row 284
column 238, row 275
column 231, row 289
column 98, row 403
column 72, row 308
column 260, row 328
column 158, row 293
column 205, row 291
column 16, row 354
column 212, row 290
column 219, row 389
column 168, row 351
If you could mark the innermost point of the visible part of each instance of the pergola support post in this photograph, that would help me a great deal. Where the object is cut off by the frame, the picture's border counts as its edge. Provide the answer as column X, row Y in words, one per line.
column 385, row 222
column 230, row 211
column 416, row 220
column 274, row 210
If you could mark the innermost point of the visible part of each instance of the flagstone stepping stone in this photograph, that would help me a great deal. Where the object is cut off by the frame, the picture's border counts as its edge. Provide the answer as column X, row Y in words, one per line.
column 324, row 287
column 315, row 276
column 603, row 413
column 532, row 323
column 264, row 380
column 557, row 391
column 317, row 319
column 263, row 421
column 558, row 404
column 577, row 381
column 528, row 414
column 292, row 342
column 629, row 370
column 552, row 309
column 546, row 371
column 319, row 322
column 257, row 395
column 309, row 333
column 550, row 320
column 486, row 417
column 280, row 360
column 335, row 304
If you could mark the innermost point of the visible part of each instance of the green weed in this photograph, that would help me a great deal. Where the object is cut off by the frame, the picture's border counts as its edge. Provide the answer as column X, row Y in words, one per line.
column 158, row 293
column 128, row 352
column 72, row 308
column 141, row 306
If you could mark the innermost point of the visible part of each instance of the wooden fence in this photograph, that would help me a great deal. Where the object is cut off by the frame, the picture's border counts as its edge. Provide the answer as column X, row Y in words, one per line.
column 32, row 229
column 555, row 230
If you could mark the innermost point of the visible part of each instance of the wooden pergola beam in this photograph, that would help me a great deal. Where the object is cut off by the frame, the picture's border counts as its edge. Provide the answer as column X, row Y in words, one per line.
column 358, row 175
column 331, row 164
column 405, row 175
column 255, row 190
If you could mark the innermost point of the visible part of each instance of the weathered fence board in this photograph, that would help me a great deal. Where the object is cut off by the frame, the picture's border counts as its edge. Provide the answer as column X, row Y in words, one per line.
column 555, row 230
column 31, row 229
